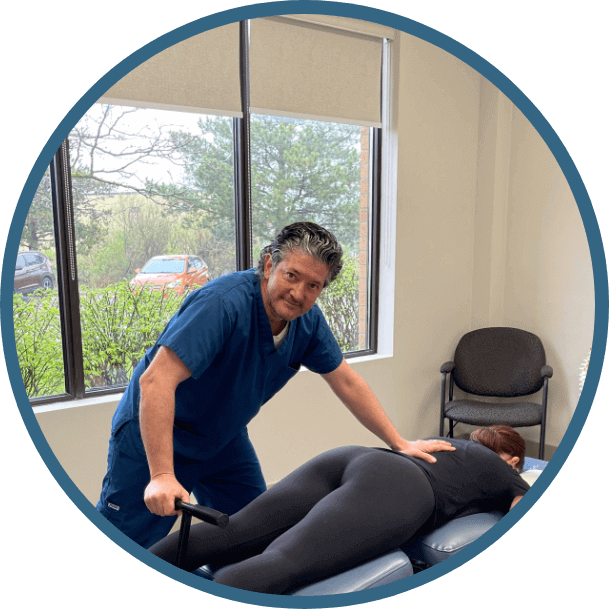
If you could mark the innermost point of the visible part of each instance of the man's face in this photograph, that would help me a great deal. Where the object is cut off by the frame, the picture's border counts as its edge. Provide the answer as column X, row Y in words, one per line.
column 293, row 286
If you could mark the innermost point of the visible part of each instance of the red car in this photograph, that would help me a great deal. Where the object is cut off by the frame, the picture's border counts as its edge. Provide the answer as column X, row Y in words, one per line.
column 178, row 272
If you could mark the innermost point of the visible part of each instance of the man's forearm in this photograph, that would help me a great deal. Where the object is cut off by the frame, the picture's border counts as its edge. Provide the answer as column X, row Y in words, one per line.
column 363, row 404
column 157, row 411
column 354, row 392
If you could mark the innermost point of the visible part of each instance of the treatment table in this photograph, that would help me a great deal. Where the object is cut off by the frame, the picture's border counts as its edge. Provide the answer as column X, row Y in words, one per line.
column 419, row 554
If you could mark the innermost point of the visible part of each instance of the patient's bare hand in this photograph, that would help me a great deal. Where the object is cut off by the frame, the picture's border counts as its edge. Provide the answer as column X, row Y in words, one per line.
column 421, row 449
column 161, row 494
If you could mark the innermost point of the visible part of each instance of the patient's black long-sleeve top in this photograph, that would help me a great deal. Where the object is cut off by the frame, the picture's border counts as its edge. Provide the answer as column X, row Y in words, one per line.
column 470, row 480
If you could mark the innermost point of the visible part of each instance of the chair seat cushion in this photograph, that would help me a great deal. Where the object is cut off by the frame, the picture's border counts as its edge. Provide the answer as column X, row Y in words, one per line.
column 477, row 412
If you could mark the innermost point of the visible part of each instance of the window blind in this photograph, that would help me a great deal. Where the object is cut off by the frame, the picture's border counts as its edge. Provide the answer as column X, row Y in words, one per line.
column 317, row 67
column 199, row 74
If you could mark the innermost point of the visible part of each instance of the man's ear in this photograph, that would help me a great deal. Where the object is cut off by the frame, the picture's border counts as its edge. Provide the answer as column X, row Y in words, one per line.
column 268, row 266
column 514, row 461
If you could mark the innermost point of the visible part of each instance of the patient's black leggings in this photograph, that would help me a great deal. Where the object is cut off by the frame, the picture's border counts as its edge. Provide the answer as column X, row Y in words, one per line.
column 342, row 508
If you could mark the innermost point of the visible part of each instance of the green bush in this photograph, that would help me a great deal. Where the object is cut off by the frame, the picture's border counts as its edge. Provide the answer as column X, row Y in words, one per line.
column 339, row 303
column 119, row 323
column 39, row 345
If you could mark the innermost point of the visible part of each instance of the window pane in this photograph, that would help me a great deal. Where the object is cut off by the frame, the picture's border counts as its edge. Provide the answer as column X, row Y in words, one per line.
column 305, row 170
column 35, row 301
column 151, row 188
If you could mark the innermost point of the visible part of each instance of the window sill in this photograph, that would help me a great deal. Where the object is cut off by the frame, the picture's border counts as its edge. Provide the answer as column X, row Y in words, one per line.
column 104, row 400
column 90, row 401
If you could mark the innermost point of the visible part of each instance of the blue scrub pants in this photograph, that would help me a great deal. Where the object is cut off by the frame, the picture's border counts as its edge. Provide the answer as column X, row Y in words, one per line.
column 227, row 482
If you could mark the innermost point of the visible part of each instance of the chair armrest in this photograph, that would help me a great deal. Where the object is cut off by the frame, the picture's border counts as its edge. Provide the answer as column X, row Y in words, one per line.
column 547, row 371
column 447, row 367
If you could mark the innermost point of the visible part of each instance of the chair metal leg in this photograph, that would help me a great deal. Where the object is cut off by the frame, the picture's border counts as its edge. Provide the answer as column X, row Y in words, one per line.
column 442, row 400
column 451, row 428
column 542, row 430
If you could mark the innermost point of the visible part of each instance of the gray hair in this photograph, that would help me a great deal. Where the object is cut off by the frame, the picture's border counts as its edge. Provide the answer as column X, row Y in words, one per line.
column 309, row 238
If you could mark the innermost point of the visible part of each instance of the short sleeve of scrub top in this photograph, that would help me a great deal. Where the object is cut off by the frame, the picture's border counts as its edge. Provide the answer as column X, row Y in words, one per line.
column 323, row 355
column 197, row 333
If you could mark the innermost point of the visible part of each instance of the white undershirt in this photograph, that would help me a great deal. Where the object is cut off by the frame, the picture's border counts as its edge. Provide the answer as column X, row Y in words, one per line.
column 280, row 337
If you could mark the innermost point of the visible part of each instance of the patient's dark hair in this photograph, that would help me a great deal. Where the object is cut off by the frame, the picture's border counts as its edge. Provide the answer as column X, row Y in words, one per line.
column 501, row 439
column 308, row 238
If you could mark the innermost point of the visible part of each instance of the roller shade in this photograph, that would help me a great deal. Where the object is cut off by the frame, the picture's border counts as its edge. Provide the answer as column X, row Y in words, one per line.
column 356, row 26
column 302, row 67
column 200, row 74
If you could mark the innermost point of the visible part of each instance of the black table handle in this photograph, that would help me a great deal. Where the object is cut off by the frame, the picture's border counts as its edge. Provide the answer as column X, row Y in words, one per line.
column 203, row 513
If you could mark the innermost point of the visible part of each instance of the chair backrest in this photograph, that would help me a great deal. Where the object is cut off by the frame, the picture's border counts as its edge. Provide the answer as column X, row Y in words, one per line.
column 501, row 362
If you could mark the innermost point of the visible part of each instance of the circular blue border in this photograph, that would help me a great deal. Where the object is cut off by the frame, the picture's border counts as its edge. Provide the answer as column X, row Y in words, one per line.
column 490, row 73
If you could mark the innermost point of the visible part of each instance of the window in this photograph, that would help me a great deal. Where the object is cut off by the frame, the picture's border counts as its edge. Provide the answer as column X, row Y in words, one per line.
column 141, row 209
column 36, row 313
column 156, row 192
column 305, row 170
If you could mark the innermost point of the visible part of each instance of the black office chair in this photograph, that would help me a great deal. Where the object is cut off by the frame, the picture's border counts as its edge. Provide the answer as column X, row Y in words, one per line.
column 497, row 362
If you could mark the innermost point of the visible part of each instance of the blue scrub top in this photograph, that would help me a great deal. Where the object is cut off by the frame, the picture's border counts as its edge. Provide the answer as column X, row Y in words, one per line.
column 223, row 336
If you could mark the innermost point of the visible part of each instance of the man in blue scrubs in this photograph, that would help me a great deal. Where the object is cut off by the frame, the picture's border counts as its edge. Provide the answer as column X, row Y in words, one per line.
column 181, row 424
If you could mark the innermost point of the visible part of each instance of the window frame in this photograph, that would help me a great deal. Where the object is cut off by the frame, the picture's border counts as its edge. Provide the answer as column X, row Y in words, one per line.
column 63, row 221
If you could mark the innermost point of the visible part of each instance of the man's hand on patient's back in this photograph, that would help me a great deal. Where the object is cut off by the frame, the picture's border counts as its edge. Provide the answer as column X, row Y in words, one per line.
column 421, row 449
column 161, row 494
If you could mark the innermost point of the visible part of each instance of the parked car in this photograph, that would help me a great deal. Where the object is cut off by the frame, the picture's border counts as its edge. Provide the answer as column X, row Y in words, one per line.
column 178, row 272
column 33, row 271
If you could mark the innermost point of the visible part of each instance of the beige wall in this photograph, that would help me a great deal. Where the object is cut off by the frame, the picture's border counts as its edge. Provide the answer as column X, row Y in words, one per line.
column 487, row 232
column 549, row 286
column 532, row 266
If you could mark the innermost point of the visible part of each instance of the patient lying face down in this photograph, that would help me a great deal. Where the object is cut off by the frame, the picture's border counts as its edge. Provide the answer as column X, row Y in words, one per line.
column 351, row 504
column 503, row 440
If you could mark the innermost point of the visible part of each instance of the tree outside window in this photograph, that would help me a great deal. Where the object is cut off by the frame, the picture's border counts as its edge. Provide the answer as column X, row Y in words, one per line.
column 150, row 182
